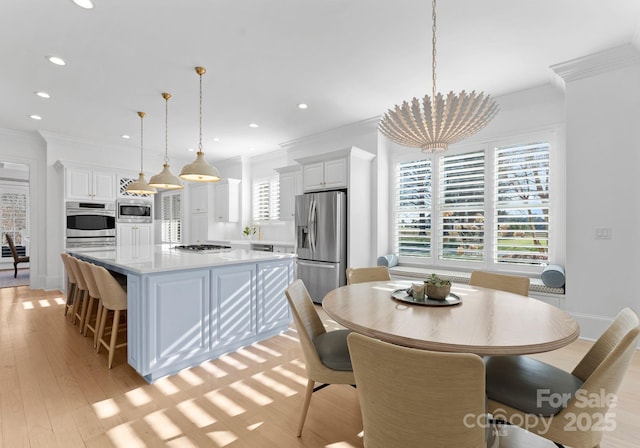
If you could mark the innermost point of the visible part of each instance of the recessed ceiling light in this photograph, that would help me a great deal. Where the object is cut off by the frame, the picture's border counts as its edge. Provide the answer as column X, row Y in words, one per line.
column 126, row 137
column 190, row 149
column 215, row 139
column 43, row 94
column 56, row 60
column 253, row 125
column 86, row 4
column 35, row 117
column 252, row 148
column 303, row 106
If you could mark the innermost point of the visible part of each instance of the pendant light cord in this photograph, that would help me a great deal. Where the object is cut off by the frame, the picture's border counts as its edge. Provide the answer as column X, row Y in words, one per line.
column 141, row 114
column 166, row 129
column 433, row 52
column 200, row 136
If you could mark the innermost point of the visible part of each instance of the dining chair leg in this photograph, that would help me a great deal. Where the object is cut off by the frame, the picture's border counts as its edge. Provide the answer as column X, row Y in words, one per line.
column 79, row 297
column 15, row 270
column 305, row 405
column 87, row 321
column 83, row 312
column 96, row 330
column 70, row 295
column 114, row 335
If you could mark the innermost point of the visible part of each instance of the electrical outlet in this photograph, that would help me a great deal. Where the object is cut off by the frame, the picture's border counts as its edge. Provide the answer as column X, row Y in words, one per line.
column 603, row 233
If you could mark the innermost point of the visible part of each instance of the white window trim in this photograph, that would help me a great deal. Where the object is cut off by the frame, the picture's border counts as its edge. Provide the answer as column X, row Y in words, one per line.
column 552, row 135
column 274, row 208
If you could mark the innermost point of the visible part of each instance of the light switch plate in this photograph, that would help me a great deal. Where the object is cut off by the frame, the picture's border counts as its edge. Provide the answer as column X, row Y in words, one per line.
column 603, row 233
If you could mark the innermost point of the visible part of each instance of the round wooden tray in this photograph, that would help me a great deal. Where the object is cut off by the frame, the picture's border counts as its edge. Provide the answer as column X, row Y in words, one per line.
column 401, row 294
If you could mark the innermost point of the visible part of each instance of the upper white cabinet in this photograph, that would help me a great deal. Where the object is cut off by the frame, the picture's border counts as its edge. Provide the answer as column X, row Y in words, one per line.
column 227, row 200
column 199, row 198
column 290, row 178
column 349, row 169
column 325, row 175
column 87, row 183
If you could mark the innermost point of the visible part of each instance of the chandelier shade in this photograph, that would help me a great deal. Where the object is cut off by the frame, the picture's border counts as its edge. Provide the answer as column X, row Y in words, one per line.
column 434, row 126
column 165, row 179
column 435, row 122
column 140, row 185
column 200, row 170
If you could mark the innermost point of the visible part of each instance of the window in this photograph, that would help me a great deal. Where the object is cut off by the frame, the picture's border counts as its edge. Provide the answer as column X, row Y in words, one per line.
column 171, row 217
column 491, row 207
column 266, row 199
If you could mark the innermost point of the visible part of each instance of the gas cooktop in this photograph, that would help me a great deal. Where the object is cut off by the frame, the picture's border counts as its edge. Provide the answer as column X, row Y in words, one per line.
column 203, row 248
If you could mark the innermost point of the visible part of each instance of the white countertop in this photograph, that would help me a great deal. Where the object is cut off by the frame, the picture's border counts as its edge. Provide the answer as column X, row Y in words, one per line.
column 255, row 241
column 164, row 258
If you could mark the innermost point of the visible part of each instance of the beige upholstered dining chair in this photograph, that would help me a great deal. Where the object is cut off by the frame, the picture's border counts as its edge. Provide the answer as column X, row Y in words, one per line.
column 113, row 297
column 413, row 398
column 514, row 384
column 82, row 291
column 371, row 274
column 511, row 283
column 326, row 354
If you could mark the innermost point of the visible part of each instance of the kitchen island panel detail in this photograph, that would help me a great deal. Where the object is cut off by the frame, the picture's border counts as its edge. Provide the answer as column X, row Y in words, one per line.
column 233, row 298
column 178, row 310
column 273, row 309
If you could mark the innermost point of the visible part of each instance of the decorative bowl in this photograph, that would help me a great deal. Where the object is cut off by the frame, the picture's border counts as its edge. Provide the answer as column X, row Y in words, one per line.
column 437, row 292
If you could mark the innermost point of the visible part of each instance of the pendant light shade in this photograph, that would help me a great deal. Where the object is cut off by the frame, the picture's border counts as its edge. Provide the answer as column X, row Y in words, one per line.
column 140, row 185
column 433, row 123
column 200, row 170
column 165, row 179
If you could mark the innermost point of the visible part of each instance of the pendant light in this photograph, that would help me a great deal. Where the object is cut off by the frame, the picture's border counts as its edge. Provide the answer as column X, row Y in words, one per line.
column 200, row 170
column 434, row 123
column 140, row 186
column 165, row 179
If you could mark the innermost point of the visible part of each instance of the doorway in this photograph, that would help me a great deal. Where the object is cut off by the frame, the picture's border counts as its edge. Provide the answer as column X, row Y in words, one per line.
column 14, row 221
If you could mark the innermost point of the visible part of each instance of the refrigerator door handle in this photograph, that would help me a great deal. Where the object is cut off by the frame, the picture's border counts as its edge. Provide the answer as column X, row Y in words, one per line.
column 313, row 224
column 317, row 265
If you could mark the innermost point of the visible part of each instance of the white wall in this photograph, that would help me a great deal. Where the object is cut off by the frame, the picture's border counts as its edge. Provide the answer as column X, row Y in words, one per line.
column 603, row 155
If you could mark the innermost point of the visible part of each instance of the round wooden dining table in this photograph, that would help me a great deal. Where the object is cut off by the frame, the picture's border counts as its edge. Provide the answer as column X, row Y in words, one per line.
column 486, row 322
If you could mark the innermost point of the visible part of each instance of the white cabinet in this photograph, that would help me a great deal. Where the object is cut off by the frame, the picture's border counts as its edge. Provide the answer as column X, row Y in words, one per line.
column 199, row 228
column 290, row 186
column 134, row 240
column 199, row 197
column 85, row 183
column 201, row 208
column 325, row 175
column 284, row 249
column 227, row 201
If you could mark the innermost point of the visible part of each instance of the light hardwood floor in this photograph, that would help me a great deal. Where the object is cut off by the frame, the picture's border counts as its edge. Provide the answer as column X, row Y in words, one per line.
column 55, row 391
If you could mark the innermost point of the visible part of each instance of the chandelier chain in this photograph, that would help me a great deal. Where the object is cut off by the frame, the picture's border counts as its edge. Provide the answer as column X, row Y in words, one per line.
column 200, row 136
column 433, row 51
column 141, row 114
column 166, row 130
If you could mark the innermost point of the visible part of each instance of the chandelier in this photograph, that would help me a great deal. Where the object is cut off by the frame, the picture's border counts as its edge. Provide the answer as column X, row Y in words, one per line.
column 200, row 170
column 140, row 186
column 434, row 123
column 165, row 179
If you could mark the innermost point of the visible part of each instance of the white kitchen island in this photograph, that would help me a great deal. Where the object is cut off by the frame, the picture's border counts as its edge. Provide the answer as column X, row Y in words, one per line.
column 186, row 308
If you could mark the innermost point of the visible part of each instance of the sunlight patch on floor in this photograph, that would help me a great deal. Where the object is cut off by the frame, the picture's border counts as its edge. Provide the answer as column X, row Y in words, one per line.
column 162, row 425
column 181, row 442
column 166, row 386
column 106, row 408
column 138, row 397
column 190, row 378
column 124, row 435
column 274, row 385
column 224, row 403
column 213, row 369
column 252, row 394
column 198, row 416
column 251, row 356
column 281, row 370
column 222, row 438
column 232, row 362
column 255, row 426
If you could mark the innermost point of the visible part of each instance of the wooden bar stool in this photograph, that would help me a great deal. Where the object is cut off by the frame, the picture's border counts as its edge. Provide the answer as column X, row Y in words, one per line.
column 71, row 284
column 94, row 296
column 113, row 298
column 82, row 292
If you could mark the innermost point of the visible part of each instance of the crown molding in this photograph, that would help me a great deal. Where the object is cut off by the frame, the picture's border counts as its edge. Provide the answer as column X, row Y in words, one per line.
column 365, row 125
column 598, row 63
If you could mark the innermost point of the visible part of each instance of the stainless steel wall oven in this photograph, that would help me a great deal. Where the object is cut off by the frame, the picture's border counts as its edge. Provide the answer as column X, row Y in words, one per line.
column 90, row 224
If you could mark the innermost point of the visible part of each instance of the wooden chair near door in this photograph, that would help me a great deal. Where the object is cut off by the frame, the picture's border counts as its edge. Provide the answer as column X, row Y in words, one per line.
column 16, row 257
column 368, row 274
column 325, row 353
column 511, row 283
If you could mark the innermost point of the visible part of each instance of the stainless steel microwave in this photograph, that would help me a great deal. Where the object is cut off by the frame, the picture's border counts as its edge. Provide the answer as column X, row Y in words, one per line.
column 134, row 211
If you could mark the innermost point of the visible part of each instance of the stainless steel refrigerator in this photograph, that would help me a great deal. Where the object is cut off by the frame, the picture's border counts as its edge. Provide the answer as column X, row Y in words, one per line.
column 321, row 241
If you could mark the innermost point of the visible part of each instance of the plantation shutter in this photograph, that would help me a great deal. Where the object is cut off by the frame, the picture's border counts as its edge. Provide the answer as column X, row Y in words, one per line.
column 522, row 204
column 462, row 202
column 266, row 199
column 413, row 208
column 171, row 218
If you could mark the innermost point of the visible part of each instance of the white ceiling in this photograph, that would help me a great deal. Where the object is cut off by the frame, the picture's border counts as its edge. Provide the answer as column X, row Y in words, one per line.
column 350, row 60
